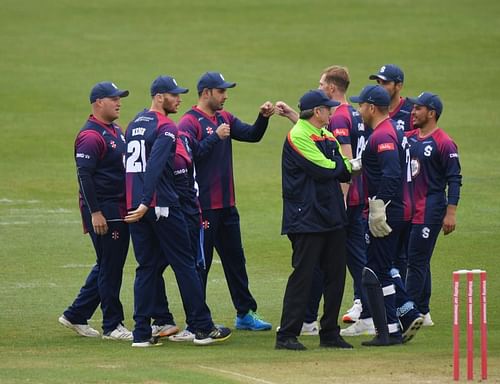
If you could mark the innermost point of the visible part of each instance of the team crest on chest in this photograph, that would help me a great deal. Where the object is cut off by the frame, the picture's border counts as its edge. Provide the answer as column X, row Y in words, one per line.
column 115, row 235
column 209, row 130
column 400, row 125
column 415, row 167
column 113, row 144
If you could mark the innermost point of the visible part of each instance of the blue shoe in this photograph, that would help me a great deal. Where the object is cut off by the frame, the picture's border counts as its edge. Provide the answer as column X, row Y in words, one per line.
column 252, row 322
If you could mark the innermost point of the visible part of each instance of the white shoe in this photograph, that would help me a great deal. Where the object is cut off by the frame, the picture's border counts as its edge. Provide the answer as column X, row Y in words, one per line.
column 153, row 342
column 184, row 335
column 353, row 313
column 119, row 333
column 427, row 320
column 310, row 329
column 360, row 327
column 164, row 330
column 82, row 329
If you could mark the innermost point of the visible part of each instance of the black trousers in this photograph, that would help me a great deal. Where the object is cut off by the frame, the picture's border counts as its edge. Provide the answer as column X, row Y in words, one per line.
column 326, row 249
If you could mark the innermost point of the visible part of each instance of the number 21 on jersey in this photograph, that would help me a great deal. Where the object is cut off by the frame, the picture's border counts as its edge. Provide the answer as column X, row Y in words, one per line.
column 136, row 162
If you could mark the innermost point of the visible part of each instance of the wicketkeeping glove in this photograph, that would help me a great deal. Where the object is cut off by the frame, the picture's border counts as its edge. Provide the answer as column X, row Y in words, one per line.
column 377, row 220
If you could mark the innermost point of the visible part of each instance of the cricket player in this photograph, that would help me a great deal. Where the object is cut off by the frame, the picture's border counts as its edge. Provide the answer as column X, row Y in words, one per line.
column 437, row 179
column 348, row 128
column 391, row 77
column 314, row 220
column 386, row 173
column 185, row 185
column 158, row 228
column 214, row 175
column 99, row 151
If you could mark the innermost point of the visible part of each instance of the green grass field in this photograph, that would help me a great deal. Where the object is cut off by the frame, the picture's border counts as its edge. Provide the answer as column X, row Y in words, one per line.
column 53, row 51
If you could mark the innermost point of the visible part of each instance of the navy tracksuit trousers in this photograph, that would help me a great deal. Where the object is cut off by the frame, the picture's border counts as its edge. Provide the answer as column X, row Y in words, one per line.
column 381, row 256
column 104, row 281
column 423, row 239
column 222, row 231
column 158, row 243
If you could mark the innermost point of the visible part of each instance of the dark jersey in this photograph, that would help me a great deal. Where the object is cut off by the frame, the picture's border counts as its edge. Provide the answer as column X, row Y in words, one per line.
column 213, row 156
column 184, row 177
column 435, row 165
column 99, row 154
column 151, row 142
column 386, row 170
column 347, row 126
column 402, row 115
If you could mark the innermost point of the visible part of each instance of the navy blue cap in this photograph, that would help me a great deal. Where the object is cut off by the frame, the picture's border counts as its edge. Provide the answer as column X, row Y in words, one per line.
column 106, row 89
column 429, row 100
column 213, row 80
column 389, row 72
column 316, row 98
column 373, row 94
column 166, row 84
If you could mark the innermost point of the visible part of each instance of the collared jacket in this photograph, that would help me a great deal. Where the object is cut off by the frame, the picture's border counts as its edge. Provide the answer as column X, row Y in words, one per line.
column 312, row 169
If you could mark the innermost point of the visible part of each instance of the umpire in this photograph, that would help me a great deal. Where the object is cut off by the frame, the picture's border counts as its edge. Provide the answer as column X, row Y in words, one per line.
column 314, row 218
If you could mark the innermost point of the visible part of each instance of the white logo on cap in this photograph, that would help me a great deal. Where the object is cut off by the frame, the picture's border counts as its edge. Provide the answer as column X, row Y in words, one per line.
column 421, row 94
column 382, row 70
column 222, row 77
column 114, row 86
column 175, row 82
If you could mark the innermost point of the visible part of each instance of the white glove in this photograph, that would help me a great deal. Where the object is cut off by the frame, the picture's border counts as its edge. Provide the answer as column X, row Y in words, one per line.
column 356, row 164
column 161, row 212
column 377, row 220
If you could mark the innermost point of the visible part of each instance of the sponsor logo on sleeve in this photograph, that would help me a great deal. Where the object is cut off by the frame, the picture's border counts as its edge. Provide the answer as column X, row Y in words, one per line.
column 340, row 132
column 171, row 135
column 385, row 147
column 181, row 171
column 453, row 155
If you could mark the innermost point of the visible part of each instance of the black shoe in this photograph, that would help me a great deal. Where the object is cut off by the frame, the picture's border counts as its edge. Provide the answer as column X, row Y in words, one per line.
column 217, row 334
column 411, row 323
column 337, row 342
column 383, row 342
column 290, row 343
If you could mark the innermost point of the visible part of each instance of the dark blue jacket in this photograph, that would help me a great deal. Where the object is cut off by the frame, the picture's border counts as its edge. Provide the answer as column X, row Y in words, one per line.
column 312, row 169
